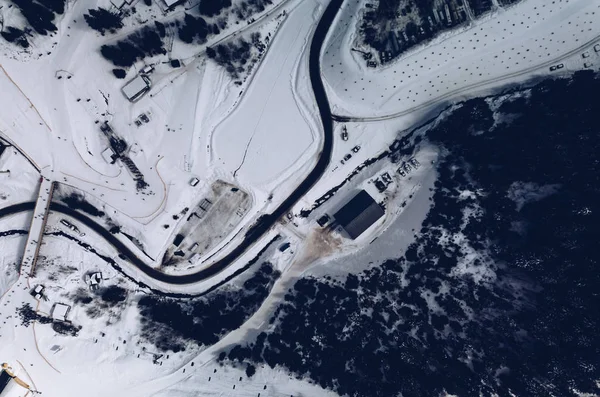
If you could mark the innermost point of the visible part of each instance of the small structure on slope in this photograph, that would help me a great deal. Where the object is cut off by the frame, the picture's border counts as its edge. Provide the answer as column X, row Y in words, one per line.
column 60, row 311
column 93, row 280
column 137, row 87
column 359, row 214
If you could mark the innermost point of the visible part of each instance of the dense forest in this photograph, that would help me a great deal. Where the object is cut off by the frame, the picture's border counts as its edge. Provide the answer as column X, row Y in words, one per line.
column 498, row 295
column 390, row 27
column 170, row 324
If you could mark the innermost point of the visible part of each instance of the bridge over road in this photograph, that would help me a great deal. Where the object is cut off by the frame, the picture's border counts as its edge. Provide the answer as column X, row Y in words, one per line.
column 38, row 224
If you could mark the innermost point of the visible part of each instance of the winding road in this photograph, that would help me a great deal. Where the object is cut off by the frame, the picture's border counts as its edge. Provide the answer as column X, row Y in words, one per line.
column 265, row 222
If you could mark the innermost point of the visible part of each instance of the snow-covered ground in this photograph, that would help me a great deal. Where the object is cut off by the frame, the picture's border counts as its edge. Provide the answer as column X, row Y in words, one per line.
column 274, row 130
column 264, row 137
column 108, row 345
column 509, row 45
column 12, row 243
column 18, row 178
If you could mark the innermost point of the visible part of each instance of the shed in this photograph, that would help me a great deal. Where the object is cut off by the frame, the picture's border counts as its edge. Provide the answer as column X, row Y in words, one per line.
column 60, row 311
column 359, row 214
column 137, row 87
column 93, row 280
column 109, row 155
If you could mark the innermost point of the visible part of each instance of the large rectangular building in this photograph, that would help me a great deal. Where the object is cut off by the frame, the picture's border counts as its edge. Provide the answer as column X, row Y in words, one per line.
column 359, row 214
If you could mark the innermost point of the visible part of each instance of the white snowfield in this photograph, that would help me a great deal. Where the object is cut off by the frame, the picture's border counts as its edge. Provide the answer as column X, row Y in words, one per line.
column 54, row 106
column 510, row 45
column 274, row 130
column 263, row 136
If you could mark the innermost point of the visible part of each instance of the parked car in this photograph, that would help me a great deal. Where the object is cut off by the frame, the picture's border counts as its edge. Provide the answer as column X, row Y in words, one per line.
column 68, row 224
column 414, row 162
column 347, row 157
column 323, row 220
column 386, row 178
column 147, row 69
column 194, row 181
column 380, row 185
column 344, row 133
column 356, row 148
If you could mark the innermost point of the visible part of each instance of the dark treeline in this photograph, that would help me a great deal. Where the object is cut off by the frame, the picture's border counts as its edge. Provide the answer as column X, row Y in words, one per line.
column 193, row 29
column 102, row 20
column 145, row 42
column 498, row 295
column 210, row 8
column 40, row 14
column 235, row 56
column 170, row 324
column 15, row 35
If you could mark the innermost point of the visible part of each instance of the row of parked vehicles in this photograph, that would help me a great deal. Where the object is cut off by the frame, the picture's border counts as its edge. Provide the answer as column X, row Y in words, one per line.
column 408, row 166
column 348, row 156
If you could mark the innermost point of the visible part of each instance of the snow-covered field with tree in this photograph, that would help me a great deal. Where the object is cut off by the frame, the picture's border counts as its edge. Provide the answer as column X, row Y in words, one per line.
column 256, row 130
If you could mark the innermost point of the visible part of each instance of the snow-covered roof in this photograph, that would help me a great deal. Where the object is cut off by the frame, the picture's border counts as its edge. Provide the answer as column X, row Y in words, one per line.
column 171, row 3
column 136, row 87
column 95, row 278
column 107, row 154
column 60, row 311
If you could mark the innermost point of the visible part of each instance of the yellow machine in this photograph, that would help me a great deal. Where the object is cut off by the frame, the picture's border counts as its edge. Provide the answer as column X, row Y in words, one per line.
column 9, row 372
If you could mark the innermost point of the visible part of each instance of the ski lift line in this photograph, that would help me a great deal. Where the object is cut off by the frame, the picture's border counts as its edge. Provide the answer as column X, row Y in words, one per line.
column 4, row 137
column 91, row 183
column 38, row 349
column 29, row 376
column 28, row 100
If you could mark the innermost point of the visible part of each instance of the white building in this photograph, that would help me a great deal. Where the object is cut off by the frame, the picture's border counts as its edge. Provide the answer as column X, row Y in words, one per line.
column 60, row 311
column 108, row 154
column 137, row 87
column 93, row 280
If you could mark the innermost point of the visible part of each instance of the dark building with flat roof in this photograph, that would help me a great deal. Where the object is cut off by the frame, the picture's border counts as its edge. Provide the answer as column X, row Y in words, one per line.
column 359, row 214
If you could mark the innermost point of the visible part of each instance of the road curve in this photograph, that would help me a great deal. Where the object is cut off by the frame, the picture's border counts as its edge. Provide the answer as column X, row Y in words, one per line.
column 265, row 222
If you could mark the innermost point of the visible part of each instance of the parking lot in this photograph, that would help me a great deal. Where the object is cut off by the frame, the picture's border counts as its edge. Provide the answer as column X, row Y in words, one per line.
column 214, row 217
